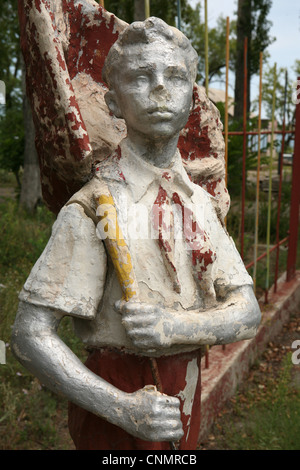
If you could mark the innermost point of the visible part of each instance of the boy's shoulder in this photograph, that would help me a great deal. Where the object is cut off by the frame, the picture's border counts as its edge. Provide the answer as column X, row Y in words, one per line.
column 102, row 173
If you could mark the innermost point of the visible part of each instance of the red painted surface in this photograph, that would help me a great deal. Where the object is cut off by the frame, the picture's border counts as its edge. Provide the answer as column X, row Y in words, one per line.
column 91, row 37
column 61, row 138
column 166, row 176
column 131, row 373
column 159, row 221
column 195, row 143
column 202, row 256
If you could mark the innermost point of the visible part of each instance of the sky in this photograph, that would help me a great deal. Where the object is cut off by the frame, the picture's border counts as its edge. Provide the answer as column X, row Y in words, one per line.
column 285, row 16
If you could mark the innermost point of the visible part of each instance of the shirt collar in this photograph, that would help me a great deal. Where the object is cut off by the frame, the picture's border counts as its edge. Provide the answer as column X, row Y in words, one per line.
column 141, row 175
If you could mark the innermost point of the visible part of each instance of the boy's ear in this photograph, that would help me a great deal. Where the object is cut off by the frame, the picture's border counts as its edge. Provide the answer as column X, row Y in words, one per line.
column 112, row 103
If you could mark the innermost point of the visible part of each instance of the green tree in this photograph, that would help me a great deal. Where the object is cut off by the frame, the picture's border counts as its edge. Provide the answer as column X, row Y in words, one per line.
column 167, row 11
column 17, row 148
column 194, row 29
column 253, row 24
column 11, row 116
column 285, row 86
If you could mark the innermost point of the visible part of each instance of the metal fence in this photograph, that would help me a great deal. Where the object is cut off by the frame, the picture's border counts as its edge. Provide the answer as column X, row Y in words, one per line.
column 291, row 238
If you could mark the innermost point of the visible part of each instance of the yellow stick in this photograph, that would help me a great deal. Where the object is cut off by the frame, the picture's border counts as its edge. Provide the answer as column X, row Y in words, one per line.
column 116, row 246
column 147, row 8
column 119, row 252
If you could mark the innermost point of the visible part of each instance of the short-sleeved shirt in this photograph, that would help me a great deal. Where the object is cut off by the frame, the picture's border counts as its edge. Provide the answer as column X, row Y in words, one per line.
column 76, row 277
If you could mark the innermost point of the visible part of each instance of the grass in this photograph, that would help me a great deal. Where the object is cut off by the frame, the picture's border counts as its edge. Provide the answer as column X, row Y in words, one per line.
column 273, row 421
column 265, row 413
column 31, row 417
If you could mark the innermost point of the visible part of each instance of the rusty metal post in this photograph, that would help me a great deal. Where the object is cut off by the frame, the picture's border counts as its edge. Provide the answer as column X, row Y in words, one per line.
column 244, row 147
column 267, row 285
column 295, row 198
column 258, row 172
column 280, row 185
column 206, row 46
column 226, row 98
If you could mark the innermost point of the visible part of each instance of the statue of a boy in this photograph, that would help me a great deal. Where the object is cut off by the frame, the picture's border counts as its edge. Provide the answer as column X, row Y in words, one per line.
column 188, row 284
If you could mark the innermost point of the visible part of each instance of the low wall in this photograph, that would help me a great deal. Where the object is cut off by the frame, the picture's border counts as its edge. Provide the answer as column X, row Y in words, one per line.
column 228, row 367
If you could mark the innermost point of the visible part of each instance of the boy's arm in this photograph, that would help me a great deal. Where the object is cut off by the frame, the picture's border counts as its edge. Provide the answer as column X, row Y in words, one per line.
column 153, row 327
column 146, row 413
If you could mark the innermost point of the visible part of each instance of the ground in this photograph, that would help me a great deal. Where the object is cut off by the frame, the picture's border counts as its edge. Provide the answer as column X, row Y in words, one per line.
column 272, row 380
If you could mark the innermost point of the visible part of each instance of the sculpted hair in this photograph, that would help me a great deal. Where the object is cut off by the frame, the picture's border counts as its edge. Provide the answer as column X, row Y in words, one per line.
column 146, row 32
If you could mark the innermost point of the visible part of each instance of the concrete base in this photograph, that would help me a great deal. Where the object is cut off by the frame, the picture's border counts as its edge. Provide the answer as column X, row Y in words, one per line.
column 229, row 366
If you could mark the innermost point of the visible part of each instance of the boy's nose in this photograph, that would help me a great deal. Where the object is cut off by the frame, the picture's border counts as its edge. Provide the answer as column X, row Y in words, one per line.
column 160, row 93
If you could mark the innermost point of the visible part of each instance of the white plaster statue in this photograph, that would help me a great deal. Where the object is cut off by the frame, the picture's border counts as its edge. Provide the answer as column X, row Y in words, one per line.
column 175, row 281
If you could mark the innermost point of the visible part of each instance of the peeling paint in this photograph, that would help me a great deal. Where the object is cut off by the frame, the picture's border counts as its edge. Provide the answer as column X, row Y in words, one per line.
column 187, row 395
column 62, row 40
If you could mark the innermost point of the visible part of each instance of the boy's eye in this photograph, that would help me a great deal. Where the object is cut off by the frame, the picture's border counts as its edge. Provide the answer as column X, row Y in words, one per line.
column 176, row 75
column 176, row 78
column 140, row 79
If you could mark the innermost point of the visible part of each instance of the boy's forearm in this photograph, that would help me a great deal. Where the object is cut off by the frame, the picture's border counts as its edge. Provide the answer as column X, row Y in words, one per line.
column 154, row 328
column 39, row 348
column 236, row 320
column 146, row 414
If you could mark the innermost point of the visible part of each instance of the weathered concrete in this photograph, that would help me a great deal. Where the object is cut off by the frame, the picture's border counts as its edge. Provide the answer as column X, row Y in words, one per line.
column 228, row 367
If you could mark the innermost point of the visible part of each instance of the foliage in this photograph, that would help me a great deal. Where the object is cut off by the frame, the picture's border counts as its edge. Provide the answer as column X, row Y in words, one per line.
column 22, row 237
column 11, row 115
column 285, row 85
column 235, row 152
column 252, row 23
column 259, row 26
column 195, row 31
column 12, row 140
column 124, row 9
column 31, row 416
column 256, row 27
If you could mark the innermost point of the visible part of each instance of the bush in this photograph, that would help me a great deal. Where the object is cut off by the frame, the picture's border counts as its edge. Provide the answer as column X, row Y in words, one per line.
column 32, row 417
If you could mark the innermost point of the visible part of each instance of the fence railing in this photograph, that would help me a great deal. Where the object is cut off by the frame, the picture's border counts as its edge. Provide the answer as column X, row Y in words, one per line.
column 291, row 238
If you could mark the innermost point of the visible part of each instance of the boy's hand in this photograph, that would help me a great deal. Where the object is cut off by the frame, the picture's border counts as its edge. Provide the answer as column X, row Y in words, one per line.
column 148, row 326
column 152, row 416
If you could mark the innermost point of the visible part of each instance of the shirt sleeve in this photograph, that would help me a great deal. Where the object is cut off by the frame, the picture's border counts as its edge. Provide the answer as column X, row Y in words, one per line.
column 70, row 274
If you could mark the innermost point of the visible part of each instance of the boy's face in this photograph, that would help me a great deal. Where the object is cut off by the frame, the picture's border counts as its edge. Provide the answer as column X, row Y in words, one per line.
column 153, row 90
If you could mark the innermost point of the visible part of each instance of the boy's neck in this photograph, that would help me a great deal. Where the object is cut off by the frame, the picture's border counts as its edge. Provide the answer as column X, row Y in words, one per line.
column 157, row 152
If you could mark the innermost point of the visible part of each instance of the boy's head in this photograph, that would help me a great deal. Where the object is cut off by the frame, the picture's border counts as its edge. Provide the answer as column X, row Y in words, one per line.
column 150, row 71
column 142, row 33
